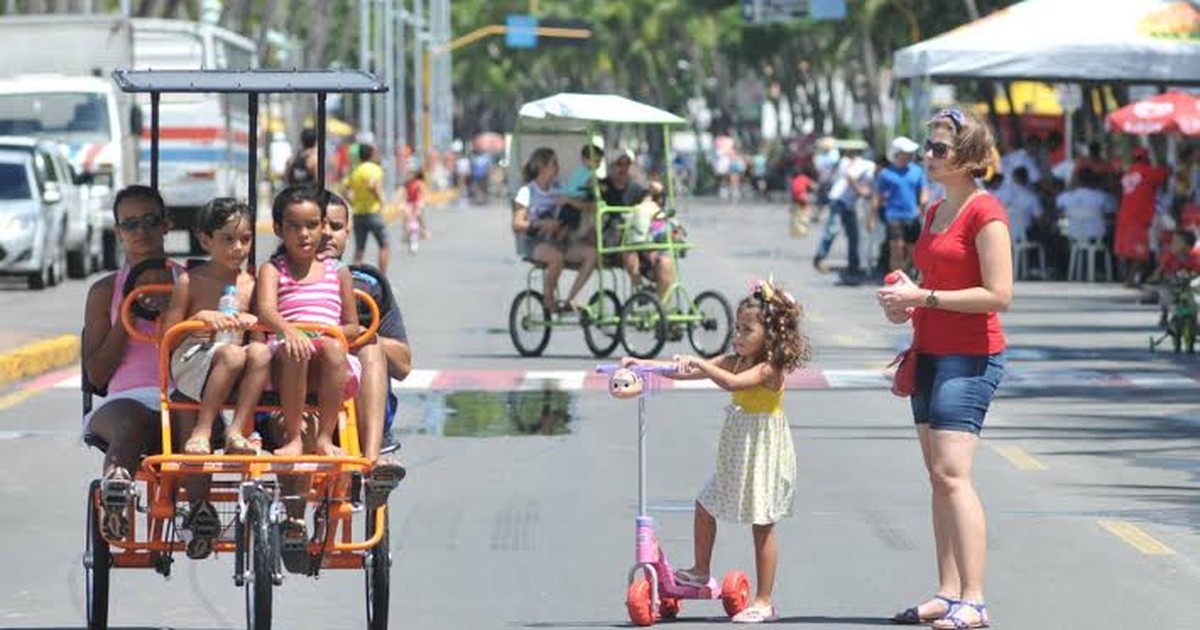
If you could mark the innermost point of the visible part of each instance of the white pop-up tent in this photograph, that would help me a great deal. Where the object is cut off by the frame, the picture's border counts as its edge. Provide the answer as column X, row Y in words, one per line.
column 1127, row 41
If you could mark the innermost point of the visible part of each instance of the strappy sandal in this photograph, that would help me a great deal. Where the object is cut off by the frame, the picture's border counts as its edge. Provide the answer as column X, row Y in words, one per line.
column 385, row 476
column 238, row 444
column 197, row 446
column 954, row 621
column 912, row 617
column 205, row 525
column 116, row 488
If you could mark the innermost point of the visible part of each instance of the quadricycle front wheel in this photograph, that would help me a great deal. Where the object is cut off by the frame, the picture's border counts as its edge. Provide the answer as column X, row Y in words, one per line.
column 529, row 323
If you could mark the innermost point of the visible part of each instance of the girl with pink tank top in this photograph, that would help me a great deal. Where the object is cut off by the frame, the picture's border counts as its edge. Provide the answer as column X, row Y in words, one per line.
column 296, row 286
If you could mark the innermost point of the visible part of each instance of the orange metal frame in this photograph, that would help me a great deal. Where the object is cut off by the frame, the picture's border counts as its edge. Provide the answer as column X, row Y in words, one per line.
column 163, row 474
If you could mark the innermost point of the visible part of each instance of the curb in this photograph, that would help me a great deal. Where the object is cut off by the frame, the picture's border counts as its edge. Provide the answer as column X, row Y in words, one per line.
column 38, row 358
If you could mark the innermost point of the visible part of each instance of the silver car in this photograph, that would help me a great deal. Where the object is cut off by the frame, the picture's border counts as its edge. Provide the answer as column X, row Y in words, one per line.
column 33, row 214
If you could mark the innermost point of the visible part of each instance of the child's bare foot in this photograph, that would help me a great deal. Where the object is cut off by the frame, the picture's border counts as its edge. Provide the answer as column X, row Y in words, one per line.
column 327, row 448
column 293, row 447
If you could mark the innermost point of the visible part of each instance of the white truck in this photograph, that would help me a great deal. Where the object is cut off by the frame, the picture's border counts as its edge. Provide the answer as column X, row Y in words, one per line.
column 65, row 93
column 56, row 87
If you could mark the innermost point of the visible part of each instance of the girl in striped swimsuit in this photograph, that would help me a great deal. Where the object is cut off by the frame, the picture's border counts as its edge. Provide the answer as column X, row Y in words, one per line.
column 297, row 286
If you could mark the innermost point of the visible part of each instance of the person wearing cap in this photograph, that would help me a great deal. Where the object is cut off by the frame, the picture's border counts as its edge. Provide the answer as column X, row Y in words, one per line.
column 1131, row 243
column 899, row 197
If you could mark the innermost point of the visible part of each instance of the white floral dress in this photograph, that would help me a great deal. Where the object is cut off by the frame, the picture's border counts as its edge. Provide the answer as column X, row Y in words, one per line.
column 756, row 461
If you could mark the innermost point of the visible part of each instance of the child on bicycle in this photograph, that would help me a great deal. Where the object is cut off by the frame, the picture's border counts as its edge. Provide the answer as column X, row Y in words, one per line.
column 207, row 367
column 756, row 463
column 299, row 286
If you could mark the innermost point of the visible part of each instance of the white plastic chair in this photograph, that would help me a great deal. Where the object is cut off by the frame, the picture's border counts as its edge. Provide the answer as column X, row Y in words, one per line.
column 1022, row 247
column 1085, row 232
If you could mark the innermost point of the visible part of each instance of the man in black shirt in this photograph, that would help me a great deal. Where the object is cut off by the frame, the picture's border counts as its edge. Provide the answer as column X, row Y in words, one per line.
column 620, row 189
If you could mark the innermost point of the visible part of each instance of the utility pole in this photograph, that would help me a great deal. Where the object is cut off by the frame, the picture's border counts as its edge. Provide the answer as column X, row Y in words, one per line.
column 398, row 88
column 364, row 61
column 388, row 141
column 420, row 102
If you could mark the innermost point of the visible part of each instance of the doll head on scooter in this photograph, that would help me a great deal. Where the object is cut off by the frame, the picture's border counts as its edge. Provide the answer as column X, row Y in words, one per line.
column 625, row 383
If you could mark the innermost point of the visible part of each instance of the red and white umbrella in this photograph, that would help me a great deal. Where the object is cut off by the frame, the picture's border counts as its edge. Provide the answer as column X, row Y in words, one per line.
column 1169, row 112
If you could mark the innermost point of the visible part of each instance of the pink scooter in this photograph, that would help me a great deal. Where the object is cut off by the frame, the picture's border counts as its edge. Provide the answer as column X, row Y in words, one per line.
column 653, row 592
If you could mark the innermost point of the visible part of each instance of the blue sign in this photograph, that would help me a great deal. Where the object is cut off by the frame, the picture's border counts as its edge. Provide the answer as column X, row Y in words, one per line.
column 520, row 31
column 827, row 9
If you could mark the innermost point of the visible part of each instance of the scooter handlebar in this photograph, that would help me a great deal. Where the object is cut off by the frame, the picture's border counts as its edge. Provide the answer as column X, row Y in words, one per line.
column 609, row 368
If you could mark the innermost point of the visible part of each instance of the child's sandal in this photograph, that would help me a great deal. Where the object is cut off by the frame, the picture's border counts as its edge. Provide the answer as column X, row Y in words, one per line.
column 238, row 444
column 197, row 446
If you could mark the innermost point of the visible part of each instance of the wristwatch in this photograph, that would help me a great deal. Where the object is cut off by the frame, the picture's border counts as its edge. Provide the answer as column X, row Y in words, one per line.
column 931, row 300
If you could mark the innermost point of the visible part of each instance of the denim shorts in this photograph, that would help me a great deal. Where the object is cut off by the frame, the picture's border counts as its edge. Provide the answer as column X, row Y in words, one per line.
column 954, row 391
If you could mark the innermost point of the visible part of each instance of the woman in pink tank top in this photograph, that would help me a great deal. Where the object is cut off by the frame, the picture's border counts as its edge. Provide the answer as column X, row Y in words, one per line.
column 126, row 425
column 298, row 286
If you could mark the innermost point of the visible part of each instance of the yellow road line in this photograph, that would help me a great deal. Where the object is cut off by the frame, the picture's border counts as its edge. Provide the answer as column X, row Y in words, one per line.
column 1136, row 537
column 1019, row 458
column 15, row 398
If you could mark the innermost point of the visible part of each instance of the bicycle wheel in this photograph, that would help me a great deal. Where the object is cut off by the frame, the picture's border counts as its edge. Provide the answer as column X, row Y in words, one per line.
column 378, row 570
column 97, row 565
column 710, row 336
column 602, row 323
column 643, row 328
column 529, row 323
column 260, row 550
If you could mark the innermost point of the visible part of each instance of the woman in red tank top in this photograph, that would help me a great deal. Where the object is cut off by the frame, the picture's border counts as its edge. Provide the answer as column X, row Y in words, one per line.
column 964, row 256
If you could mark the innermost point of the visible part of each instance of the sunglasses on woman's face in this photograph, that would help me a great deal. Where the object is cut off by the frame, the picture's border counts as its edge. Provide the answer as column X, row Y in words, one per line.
column 938, row 148
column 144, row 222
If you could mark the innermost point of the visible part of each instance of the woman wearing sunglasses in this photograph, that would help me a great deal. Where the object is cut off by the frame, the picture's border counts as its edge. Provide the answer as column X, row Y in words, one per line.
column 965, row 263
column 126, row 423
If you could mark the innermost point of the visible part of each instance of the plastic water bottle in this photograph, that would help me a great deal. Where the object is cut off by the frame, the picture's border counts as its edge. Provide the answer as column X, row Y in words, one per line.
column 228, row 305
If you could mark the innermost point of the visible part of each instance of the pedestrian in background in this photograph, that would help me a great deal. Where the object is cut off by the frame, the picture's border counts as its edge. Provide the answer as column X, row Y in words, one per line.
column 899, row 197
column 850, row 182
column 367, row 201
column 964, row 256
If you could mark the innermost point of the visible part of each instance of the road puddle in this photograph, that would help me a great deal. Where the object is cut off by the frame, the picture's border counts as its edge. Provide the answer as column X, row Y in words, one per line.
column 485, row 414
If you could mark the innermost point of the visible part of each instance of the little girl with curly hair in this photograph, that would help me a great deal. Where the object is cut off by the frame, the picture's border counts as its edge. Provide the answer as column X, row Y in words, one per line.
column 756, row 461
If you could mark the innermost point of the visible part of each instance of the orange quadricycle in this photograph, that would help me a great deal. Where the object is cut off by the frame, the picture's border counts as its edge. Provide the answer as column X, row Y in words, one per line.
column 248, row 491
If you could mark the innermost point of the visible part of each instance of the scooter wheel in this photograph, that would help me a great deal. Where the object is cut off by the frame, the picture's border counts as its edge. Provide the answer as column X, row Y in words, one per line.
column 735, row 592
column 637, row 601
column 669, row 608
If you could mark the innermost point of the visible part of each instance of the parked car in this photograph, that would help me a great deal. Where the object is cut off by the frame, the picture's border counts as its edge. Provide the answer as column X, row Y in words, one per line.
column 35, row 211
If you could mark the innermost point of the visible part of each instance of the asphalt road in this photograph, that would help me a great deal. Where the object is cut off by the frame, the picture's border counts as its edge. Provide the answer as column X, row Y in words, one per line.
column 1089, row 468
